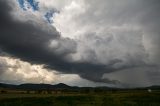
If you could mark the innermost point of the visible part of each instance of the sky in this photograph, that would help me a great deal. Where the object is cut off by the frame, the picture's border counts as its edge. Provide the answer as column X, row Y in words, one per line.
column 80, row 42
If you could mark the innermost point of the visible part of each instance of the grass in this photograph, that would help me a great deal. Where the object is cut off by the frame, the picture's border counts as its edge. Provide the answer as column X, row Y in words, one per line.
column 128, row 98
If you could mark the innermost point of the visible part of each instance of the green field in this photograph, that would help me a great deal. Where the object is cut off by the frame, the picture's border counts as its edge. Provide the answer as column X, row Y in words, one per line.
column 119, row 98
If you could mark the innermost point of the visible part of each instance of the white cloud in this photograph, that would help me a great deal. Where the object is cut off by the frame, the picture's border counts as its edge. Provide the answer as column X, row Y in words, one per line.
column 16, row 71
column 19, row 71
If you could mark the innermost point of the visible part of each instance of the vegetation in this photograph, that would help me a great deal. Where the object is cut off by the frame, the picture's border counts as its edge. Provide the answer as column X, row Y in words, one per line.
column 64, row 95
column 108, row 98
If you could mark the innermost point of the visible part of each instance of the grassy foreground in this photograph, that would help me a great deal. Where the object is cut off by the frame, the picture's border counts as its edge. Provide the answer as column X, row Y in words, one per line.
column 127, row 98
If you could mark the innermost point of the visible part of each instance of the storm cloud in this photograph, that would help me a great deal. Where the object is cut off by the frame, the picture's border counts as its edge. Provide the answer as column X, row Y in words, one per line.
column 88, row 38
column 28, row 42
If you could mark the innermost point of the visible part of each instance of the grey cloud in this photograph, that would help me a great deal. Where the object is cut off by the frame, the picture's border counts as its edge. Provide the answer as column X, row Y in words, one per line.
column 27, row 41
column 63, row 46
column 124, row 46
column 151, row 23
column 126, row 30
column 138, row 76
column 113, row 49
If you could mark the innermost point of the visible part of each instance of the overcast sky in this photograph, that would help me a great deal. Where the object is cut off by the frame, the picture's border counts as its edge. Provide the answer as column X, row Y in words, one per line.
column 80, row 42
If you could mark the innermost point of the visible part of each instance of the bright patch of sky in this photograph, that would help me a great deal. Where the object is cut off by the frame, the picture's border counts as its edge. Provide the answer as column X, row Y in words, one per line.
column 27, row 4
column 34, row 6
column 49, row 16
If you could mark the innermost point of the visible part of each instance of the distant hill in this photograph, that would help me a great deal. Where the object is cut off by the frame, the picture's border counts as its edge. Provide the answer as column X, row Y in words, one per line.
column 154, row 87
column 10, row 86
column 43, row 86
column 29, row 86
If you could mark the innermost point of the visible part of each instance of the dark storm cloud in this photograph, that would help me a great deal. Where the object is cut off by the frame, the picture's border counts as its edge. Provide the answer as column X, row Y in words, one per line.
column 30, row 42
column 27, row 41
